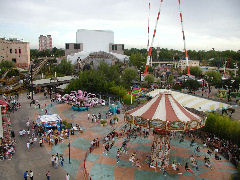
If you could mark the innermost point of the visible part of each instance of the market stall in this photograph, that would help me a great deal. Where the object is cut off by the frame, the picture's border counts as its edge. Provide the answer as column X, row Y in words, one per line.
column 52, row 121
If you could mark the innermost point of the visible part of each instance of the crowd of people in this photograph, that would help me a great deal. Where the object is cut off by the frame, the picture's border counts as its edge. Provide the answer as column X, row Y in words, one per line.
column 7, row 142
column 218, row 146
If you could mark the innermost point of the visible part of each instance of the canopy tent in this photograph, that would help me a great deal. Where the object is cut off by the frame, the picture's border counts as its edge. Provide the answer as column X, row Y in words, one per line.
column 190, row 101
column 49, row 121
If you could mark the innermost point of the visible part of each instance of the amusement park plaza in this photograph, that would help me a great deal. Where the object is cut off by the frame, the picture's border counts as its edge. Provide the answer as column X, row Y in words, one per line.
column 78, row 104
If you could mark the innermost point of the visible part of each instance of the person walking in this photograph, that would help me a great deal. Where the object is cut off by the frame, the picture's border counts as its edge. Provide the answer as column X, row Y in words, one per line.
column 52, row 160
column 67, row 177
column 28, row 145
column 31, row 175
column 48, row 175
column 25, row 175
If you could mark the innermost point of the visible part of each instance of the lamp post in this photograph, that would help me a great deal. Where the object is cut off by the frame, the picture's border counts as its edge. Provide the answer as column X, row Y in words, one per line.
column 31, row 77
column 69, row 154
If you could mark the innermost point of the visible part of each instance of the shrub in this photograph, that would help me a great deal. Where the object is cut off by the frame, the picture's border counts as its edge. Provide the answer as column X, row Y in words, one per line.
column 67, row 125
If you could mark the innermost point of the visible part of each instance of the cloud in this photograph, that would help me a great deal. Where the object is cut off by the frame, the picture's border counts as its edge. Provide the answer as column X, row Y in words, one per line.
column 214, row 23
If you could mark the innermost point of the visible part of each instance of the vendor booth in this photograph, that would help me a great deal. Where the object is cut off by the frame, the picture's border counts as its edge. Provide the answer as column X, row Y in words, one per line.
column 52, row 121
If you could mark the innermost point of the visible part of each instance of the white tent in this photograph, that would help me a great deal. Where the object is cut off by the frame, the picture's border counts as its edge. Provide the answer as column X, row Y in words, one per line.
column 49, row 119
column 190, row 101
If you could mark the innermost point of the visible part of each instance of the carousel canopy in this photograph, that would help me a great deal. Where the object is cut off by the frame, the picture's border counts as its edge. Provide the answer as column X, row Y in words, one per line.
column 164, row 112
column 195, row 102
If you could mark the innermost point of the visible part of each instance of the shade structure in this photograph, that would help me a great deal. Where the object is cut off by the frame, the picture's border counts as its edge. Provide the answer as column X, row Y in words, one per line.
column 164, row 113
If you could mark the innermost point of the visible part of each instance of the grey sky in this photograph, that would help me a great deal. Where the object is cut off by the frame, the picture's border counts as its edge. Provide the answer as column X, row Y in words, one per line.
column 207, row 23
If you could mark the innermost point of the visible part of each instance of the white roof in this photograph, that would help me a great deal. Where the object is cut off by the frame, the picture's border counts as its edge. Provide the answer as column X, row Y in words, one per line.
column 44, row 81
column 198, row 103
column 49, row 118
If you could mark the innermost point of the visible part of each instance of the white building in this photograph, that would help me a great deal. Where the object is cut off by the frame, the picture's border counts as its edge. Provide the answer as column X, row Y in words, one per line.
column 95, row 40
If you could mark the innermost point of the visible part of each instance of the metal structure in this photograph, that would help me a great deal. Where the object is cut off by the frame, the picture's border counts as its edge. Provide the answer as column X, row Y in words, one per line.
column 149, row 48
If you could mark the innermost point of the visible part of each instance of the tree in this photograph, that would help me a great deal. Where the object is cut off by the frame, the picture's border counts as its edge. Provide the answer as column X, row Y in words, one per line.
column 213, row 78
column 129, row 74
column 194, row 70
column 64, row 68
column 192, row 85
column 5, row 66
column 138, row 60
column 149, row 78
column 111, row 72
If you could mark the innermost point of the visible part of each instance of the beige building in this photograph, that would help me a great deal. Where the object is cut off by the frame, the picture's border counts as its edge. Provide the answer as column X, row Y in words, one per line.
column 116, row 48
column 182, row 64
column 45, row 42
column 72, row 48
column 16, row 51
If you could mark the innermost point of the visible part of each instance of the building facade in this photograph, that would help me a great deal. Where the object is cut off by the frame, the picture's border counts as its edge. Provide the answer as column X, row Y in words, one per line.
column 45, row 42
column 16, row 51
column 95, row 40
column 72, row 48
column 182, row 64
column 116, row 48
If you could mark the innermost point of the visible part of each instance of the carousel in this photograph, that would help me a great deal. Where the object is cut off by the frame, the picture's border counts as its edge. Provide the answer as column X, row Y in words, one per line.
column 163, row 115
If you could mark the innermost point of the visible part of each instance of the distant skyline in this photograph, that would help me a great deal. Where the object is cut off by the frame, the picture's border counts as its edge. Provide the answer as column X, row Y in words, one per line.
column 207, row 23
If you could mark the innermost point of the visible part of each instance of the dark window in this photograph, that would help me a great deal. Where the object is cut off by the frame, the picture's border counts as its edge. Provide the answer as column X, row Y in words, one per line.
column 19, row 51
column 76, row 46
column 15, row 51
column 122, row 46
column 67, row 46
column 14, row 60
column 113, row 47
column 11, row 51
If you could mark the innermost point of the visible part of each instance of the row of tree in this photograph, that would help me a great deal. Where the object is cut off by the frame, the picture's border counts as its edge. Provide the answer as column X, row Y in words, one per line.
column 223, row 127
column 105, row 79
column 211, row 57
column 55, row 52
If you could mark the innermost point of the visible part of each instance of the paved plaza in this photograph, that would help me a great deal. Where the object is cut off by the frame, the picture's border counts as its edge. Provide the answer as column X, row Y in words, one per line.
column 99, row 165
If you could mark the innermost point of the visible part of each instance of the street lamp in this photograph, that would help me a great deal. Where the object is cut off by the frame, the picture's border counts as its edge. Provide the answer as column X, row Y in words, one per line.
column 31, row 77
column 69, row 159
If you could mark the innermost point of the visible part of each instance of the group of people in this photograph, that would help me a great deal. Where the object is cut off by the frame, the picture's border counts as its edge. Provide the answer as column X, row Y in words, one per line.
column 55, row 159
column 7, row 142
column 218, row 146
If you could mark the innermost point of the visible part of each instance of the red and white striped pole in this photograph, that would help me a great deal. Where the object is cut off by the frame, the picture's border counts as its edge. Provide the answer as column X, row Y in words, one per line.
column 149, row 5
column 184, row 40
column 149, row 50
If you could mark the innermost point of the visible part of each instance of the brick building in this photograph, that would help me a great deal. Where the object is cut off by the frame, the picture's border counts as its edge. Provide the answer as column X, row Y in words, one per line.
column 16, row 51
column 45, row 42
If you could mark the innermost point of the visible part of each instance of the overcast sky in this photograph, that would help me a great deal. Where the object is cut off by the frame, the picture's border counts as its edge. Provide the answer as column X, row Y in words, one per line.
column 207, row 23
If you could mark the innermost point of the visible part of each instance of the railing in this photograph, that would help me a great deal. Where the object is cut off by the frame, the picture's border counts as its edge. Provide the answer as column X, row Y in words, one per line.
column 85, row 173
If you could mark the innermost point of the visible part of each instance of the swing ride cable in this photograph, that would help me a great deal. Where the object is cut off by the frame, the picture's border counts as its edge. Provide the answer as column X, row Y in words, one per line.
column 184, row 40
column 149, row 50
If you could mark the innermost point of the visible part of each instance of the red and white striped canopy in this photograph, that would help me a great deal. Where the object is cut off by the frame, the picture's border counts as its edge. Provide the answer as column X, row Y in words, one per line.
column 164, row 112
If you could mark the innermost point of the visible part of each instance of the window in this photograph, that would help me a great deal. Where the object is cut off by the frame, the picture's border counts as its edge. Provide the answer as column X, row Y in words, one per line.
column 14, row 60
column 19, row 51
column 11, row 51
column 66, row 46
column 113, row 47
column 76, row 46
column 15, row 51
column 122, row 46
